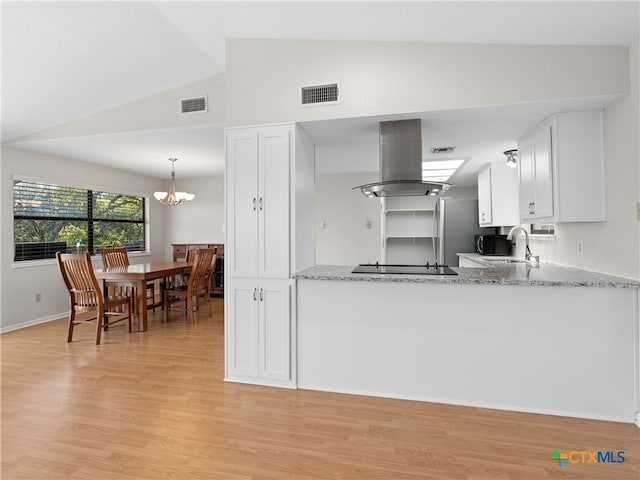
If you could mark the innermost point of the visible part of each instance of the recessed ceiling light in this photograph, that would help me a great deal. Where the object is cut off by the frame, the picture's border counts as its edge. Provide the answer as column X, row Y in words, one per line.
column 439, row 170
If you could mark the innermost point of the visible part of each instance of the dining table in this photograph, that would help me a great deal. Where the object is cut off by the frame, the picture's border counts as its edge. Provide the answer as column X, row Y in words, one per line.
column 140, row 274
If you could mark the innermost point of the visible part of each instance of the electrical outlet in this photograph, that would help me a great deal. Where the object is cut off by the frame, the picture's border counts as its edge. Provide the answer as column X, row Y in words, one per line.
column 580, row 247
column 369, row 224
column 38, row 297
column 323, row 224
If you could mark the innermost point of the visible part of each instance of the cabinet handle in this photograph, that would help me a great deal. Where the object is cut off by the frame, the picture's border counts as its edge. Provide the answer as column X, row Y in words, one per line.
column 254, row 204
column 255, row 294
column 260, row 203
column 261, row 295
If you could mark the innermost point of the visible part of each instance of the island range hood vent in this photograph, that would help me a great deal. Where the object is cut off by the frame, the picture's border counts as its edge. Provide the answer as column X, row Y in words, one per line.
column 401, row 163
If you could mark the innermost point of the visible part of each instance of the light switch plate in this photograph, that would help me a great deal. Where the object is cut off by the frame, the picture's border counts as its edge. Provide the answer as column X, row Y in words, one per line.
column 638, row 210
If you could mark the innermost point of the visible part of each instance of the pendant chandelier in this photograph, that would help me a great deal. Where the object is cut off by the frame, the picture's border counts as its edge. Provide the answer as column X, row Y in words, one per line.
column 172, row 197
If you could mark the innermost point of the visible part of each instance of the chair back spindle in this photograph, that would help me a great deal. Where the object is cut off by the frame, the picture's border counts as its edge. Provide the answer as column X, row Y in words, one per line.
column 115, row 257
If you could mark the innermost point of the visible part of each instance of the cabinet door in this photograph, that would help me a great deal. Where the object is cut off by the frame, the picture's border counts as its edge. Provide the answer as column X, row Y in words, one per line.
column 242, row 202
column 484, row 197
column 536, row 175
column 526, row 178
column 274, row 329
column 273, row 202
column 543, row 174
column 498, row 196
column 241, row 328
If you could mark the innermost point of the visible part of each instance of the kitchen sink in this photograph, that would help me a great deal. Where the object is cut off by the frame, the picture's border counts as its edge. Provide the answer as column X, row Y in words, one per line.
column 504, row 260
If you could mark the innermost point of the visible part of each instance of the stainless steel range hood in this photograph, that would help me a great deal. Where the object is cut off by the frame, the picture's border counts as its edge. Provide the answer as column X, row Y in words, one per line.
column 401, row 162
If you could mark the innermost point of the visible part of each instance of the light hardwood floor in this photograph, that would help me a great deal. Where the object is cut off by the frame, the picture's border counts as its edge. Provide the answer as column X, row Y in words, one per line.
column 153, row 405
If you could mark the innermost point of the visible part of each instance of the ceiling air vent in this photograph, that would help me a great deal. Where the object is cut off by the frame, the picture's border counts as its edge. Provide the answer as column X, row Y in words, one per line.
column 326, row 94
column 193, row 105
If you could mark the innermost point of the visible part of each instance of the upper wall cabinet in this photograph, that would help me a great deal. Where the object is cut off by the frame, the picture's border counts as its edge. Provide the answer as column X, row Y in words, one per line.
column 561, row 170
column 498, row 196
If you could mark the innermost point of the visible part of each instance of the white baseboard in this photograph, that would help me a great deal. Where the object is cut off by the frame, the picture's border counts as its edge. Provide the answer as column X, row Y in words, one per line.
column 457, row 402
column 638, row 419
column 31, row 323
column 262, row 382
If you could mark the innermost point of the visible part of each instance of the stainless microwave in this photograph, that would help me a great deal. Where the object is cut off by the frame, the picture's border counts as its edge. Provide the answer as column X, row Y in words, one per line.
column 493, row 245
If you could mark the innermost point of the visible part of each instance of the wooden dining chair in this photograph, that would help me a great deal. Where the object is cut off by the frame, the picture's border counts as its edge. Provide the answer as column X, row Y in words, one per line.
column 191, row 255
column 211, row 272
column 196, row 291
column 118, row 257
column 86, row 298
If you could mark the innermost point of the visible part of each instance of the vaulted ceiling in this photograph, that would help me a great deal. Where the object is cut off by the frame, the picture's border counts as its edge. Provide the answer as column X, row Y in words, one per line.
column 63, row 61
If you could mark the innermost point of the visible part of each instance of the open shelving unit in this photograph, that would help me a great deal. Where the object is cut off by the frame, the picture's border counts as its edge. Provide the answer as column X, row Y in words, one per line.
column 407, row 230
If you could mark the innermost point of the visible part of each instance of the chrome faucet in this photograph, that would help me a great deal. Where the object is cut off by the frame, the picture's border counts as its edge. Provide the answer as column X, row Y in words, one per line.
column 527, row 253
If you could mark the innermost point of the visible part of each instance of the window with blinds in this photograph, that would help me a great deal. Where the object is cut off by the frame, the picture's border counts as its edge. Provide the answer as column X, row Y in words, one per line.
column 48, row 218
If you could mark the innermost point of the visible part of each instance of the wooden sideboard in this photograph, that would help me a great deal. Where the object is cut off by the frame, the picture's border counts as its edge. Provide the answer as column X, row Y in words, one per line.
column 180, row 254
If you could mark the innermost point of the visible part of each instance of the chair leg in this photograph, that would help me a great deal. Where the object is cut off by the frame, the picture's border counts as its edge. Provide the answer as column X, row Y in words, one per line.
column 72, row 317
column 129, row 307
column 165, row 306
column 99, row 325
column 208, row 301
column 189, row 305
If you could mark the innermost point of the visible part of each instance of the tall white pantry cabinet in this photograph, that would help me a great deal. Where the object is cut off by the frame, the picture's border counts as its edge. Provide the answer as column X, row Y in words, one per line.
column 269, row 209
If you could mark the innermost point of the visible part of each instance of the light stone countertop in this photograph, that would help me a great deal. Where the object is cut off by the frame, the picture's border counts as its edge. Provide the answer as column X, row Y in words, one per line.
column 544, row 274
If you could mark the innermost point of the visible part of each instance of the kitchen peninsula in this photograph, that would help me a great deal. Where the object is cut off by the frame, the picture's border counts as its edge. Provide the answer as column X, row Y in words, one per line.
column 543, row 339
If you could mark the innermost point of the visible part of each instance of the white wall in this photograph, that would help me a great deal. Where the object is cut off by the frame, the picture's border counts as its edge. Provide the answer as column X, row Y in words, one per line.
column 20, row 282
column 346, row 240
column 613, row 246
column 154, row 112
column 202, row 220
column 263, row 77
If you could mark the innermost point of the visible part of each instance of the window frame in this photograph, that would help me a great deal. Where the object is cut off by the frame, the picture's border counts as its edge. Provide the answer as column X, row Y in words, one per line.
column 88, row 188
column 542, row 232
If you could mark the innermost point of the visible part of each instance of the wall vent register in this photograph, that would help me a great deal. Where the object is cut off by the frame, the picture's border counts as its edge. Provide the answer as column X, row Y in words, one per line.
column 193, row 105
column 320, row 94
column 426, row 269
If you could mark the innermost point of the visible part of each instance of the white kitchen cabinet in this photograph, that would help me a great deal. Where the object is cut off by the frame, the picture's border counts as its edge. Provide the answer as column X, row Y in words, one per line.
column 270, row 234
column 498, row 196
column 407, row 229
column 561, row 170
column 258, row 345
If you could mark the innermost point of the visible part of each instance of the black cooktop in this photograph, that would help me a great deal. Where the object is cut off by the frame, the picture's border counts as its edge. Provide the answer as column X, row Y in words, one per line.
column 426, row 269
